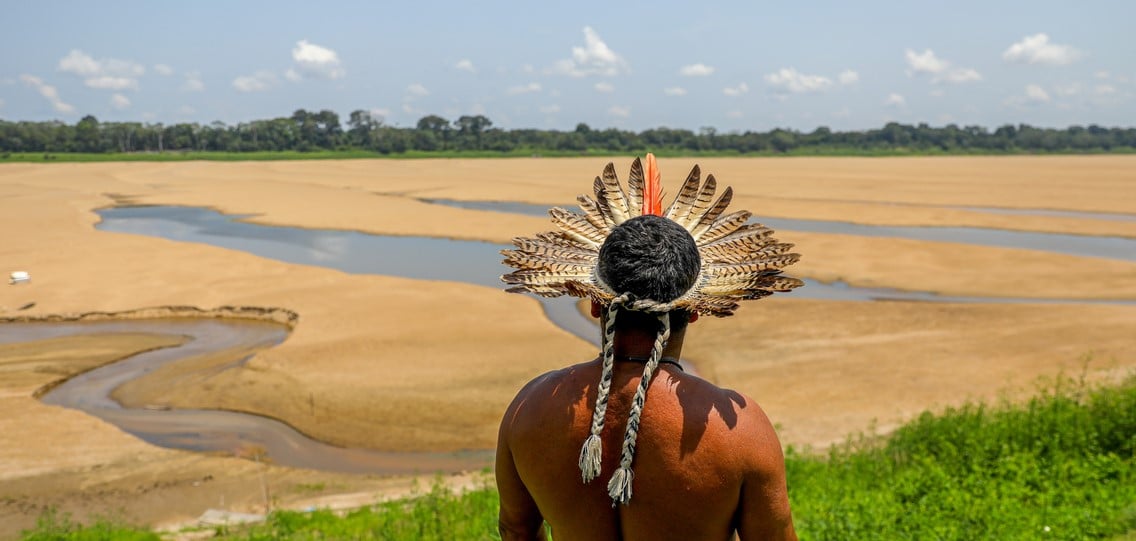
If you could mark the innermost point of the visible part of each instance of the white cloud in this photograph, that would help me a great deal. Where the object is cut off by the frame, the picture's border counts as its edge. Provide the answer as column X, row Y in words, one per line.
column 696, row 70
column 193, row 82
column 257, row 82
column 162, row 69
column 895, row 100
column 315, row 61
column 848, row 77
column 621, row 112
column 293, row 75
column 104, row 73
column 1036, row 93
column 674, row 91
column 186, row 110
column 604, row 87
column 959, row 75
column 120, row 102
column 550, row 109
column 1070, row 89
column 1037, row 49
column 417, row 89
column 925, row 62
column 523, row 89
column 940, row 70
column 1102, row 74
column 791, row 80
column 80, row 63
column 1104, row 90
column 107, row 82
column 379, row 113
column 742, row 88
column 594, row 58
column 47, row 91
column 465, row 65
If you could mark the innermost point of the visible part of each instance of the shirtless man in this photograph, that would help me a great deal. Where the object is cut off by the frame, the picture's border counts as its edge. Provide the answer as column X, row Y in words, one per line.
column 707, row 461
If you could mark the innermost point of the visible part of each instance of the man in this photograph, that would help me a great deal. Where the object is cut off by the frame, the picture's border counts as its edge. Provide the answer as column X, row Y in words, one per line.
column 708, row 463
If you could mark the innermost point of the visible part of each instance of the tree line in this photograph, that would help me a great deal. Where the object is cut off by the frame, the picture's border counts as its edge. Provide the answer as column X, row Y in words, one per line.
column 307, row 131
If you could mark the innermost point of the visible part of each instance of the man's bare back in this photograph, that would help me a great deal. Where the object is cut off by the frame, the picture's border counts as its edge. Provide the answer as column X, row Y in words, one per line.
column 707, row 463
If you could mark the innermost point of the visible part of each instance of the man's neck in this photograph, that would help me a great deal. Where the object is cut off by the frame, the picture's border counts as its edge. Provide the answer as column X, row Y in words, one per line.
column 638, row 343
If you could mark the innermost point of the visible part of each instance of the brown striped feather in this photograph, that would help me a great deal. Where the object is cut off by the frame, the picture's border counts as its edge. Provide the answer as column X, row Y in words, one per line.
column 594, row 215
column 576, row 226
column 723, row 226
column 742, row 235
column 686, row 196
column 635, row 189
column 613, row 192
column 701, row 204
column 540, row 278
column 713, row 213
column 742, row 256
column 554, row 250
column 725, row 270
column 563, row 239
column 523, row 261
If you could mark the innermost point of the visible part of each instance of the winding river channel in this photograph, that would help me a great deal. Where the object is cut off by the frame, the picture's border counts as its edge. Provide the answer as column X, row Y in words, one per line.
column 425, row 258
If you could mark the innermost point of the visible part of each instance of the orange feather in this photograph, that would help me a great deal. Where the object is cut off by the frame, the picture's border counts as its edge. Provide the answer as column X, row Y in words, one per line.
column 652, row 188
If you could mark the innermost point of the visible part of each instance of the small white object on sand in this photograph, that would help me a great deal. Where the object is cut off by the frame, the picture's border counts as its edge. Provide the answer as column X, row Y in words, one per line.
column 18, row 277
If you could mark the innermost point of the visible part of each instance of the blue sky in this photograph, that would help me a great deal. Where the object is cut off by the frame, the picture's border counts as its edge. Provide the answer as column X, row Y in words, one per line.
column 734, row 66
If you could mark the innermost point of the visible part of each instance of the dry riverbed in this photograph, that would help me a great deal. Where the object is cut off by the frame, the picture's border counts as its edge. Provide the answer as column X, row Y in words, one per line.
column 403, row 364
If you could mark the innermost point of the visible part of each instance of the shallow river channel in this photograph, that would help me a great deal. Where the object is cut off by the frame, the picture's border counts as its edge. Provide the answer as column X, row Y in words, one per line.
column 424, row 258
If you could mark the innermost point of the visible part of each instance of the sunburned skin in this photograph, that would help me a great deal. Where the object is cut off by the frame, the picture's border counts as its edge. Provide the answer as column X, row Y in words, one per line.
column 708, row 463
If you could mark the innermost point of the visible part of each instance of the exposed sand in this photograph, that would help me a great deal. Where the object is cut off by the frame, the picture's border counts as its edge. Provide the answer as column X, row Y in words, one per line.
column 409, row 365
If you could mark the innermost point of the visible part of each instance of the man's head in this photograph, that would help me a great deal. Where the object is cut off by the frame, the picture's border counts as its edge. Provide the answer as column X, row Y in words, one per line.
column 650, row 257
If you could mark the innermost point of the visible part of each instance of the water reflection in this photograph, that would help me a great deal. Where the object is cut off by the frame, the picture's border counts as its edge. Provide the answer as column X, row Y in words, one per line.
column 1078, row 245
column 216, row 431
column 427, row 258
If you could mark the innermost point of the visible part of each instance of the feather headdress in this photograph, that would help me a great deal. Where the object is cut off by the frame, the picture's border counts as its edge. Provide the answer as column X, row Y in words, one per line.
column 739, row 261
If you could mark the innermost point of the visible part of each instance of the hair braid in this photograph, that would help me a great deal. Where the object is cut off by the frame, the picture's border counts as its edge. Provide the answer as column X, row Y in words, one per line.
column 619, row 488
column 591, row 454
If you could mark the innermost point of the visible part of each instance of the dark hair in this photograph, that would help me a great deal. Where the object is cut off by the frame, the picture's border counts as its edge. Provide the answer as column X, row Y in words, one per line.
column 650, row 257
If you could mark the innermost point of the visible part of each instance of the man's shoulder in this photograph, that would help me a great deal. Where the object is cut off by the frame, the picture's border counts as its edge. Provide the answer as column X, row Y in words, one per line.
column 543, row 384
column 737, row 415
column 555, row 377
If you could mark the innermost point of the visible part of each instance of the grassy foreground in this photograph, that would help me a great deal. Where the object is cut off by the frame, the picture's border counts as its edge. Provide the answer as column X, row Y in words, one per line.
column 1060, row 466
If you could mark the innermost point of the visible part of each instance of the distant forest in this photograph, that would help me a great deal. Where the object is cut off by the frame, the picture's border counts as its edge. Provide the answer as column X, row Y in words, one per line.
column 308, row 131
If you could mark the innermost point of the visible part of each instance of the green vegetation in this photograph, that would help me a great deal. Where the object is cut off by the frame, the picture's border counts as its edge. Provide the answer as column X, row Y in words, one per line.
column 438, row 515
column 1058, row 467
column 319, row 135
column 55, row 526
column 1061, row 466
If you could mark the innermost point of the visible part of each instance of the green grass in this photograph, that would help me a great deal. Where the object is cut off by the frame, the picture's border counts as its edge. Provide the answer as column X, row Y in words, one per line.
column 436, row 515
column 53, row 526
column 1060, row 466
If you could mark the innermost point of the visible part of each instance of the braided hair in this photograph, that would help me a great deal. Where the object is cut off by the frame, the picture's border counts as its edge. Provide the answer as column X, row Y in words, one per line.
column 651, row 261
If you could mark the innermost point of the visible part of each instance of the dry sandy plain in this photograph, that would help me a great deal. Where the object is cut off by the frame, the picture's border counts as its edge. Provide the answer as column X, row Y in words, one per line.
column 412, row 365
